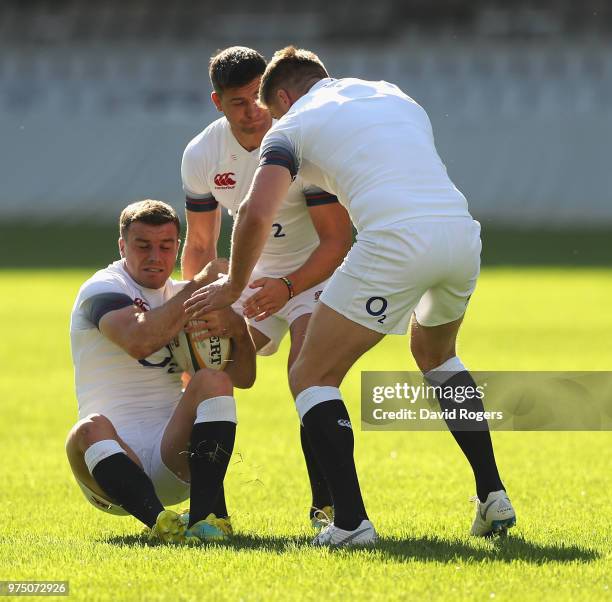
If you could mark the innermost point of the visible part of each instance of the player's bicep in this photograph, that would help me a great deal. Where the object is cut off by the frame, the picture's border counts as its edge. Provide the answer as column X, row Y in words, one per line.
column 117, row 326
column 269, row 188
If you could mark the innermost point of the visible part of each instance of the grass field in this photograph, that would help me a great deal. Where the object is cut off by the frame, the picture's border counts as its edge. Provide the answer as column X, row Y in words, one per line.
column 416, row 485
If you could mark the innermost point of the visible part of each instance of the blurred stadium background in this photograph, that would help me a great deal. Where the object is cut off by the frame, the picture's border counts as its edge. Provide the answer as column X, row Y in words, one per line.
column 98, row 99
column 97, row 102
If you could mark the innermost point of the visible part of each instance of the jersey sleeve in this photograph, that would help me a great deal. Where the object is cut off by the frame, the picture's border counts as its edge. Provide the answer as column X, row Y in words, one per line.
column 280, row 146
column 316, row 196
column 98, row 297
column 198, row 196
column 96, row 306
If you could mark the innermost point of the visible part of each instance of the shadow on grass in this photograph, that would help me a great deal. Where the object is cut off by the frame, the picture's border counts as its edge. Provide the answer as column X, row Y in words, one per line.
column 501, row 549
column 424, row 549
column 270, row 543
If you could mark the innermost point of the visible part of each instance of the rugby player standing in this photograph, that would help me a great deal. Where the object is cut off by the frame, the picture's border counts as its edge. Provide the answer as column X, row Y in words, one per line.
column 306, row 240
column 417, row 254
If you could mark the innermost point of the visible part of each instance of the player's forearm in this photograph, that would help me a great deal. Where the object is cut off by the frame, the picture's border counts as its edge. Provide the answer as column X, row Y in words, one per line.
column 242, row 366
column 318, row 267
column 152, row 330
column 248, row 240
column 196, row 256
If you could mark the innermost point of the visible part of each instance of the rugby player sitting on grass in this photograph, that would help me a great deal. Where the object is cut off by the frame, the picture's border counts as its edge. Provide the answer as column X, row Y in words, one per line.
column 141, row 442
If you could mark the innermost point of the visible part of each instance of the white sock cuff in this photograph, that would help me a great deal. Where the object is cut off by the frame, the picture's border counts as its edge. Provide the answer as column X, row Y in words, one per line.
column 101, row 450
column 309, row 398
column 440, row 374
column 217, row 409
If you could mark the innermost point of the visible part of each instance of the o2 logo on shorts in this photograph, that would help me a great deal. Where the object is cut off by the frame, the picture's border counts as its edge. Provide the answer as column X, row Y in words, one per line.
column 376, row 306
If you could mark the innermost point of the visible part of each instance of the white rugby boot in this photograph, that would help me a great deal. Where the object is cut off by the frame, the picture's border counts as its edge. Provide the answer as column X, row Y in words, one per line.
column 363, row 535
column 494, row 516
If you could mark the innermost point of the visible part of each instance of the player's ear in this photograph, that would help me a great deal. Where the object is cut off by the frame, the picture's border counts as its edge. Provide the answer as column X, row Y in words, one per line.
column 285, row 99
column 283, row 96
column 121, row 243
column 216, row 99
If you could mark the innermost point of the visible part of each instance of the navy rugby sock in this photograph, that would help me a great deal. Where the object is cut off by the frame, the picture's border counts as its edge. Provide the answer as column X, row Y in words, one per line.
column 321, row 496
column 129, row 486
column 472, row 436
column 330, row 433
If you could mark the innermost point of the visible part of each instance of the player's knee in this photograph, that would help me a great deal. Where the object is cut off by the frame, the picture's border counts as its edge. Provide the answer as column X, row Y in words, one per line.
column 428, row 359
column 91, row 429
column 210, row 383
column 300, row 377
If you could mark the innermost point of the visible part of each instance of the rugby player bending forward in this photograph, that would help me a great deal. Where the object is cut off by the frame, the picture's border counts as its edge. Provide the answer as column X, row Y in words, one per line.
column 417, row 255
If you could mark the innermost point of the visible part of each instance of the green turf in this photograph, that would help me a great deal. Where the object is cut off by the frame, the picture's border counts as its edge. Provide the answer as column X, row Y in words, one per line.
column 53, row 244
column 416, row 485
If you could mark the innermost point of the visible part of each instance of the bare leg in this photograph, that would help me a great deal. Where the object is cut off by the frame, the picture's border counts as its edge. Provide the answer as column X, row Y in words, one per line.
column 333, row 344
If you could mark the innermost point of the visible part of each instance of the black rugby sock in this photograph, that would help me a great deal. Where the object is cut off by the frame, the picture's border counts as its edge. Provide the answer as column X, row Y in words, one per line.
column 330, row 434
column 321, row 495
column 220, row 505
column 473, row 436
column 212, row 444
column 129, row 486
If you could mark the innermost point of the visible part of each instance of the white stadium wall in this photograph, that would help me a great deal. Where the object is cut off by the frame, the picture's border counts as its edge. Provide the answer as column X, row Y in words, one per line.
column 525, row 131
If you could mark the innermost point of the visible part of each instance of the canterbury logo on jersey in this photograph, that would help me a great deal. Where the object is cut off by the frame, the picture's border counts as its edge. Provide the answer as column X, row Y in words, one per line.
column 225, row 180
column 346, row 423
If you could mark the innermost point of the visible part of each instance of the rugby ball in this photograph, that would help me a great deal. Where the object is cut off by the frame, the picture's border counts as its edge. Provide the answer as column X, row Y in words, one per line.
column 191, row 355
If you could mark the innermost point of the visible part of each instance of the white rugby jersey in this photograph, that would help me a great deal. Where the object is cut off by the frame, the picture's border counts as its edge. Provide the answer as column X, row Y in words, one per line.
column 372, row 146
column 216, row 169
column 108, row 380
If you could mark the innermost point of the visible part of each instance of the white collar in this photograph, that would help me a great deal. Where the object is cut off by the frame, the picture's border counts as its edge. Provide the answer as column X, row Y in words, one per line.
column 321, row 83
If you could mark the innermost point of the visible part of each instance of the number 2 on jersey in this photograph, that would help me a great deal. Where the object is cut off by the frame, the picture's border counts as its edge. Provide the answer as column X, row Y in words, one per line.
column 279, row 230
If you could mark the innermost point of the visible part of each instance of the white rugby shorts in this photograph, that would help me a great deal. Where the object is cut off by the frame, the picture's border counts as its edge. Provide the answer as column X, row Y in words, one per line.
column 276, row 326
column 144, row 438
column 426, row 267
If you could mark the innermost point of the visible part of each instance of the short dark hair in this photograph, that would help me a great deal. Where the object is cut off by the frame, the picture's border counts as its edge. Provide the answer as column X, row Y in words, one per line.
column 291, row 67
column 234, row 67
column 154, row 213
